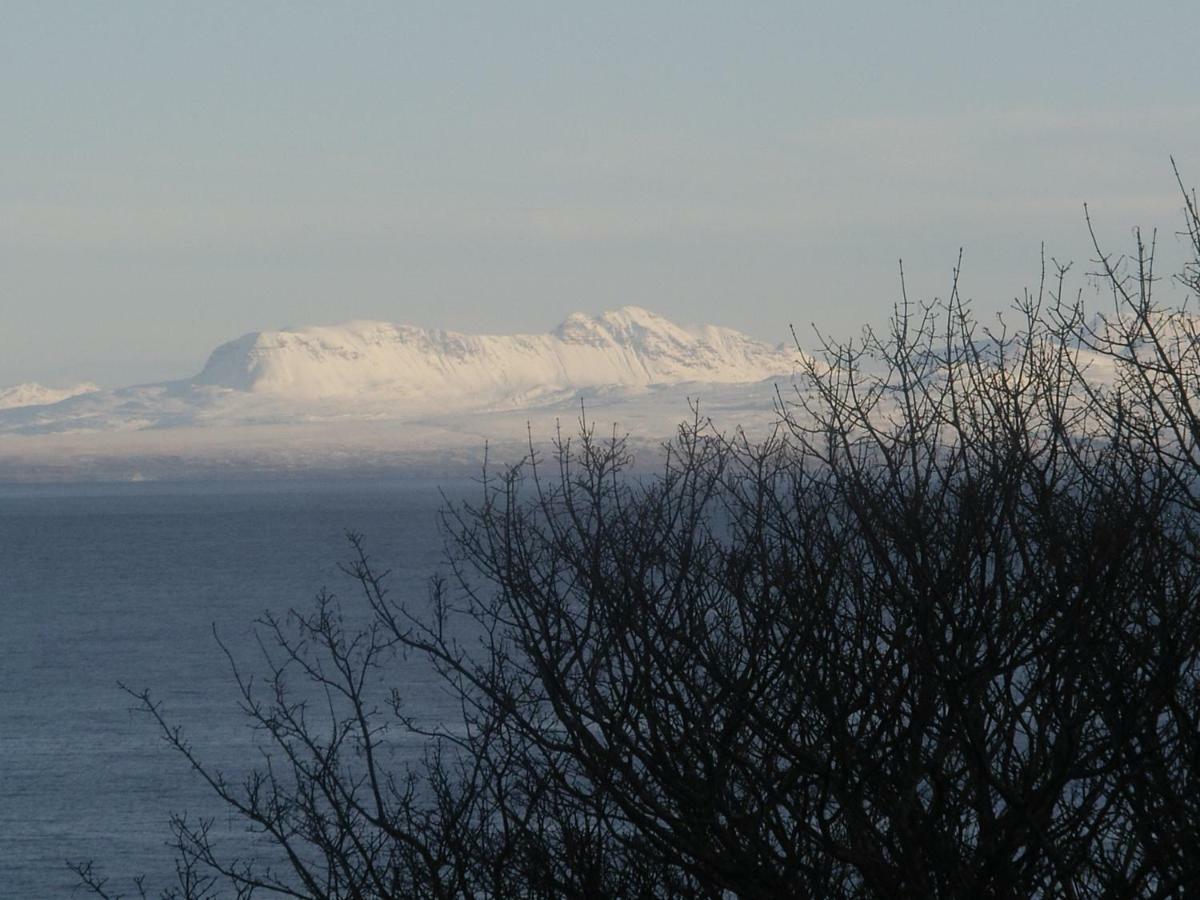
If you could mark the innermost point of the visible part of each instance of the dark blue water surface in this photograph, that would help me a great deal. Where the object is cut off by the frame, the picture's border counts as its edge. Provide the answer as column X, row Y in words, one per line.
column 125, row 583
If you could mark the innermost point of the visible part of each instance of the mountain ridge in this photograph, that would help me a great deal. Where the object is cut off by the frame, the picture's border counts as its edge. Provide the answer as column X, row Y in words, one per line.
column 629, row 346
column 381, row 371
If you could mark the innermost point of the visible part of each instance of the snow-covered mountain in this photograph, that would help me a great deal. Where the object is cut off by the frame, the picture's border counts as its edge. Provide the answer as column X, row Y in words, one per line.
column 30, row 393
column 628, row 347
column 413, row 377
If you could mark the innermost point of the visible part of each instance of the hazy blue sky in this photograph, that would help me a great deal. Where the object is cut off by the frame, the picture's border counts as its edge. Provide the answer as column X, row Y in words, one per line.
column 173, row 175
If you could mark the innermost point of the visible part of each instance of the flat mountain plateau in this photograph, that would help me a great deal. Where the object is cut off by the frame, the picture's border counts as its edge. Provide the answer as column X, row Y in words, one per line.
column 365, row 397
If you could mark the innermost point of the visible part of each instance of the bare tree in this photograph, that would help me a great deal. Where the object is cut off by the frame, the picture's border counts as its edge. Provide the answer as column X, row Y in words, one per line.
column 938, row 634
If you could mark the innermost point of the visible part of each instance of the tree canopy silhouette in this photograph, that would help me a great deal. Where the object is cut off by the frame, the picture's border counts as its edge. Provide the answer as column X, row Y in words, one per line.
column 937, row 634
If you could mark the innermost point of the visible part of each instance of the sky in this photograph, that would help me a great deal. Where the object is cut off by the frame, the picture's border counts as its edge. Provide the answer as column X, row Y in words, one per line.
column 173, row 175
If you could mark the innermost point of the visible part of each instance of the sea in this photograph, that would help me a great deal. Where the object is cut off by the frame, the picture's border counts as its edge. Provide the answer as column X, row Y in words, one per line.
column 110, row 584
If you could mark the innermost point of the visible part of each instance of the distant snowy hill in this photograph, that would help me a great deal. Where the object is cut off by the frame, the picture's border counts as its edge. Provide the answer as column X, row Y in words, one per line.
column 369, row 394
column 628, row 347
column 32, row 394
column 381, row 371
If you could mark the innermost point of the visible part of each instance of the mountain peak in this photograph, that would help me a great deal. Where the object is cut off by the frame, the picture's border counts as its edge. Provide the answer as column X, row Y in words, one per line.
column 624, row 325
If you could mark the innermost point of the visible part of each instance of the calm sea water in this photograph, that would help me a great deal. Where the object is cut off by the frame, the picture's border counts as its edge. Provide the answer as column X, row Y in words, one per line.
column 125, row 583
